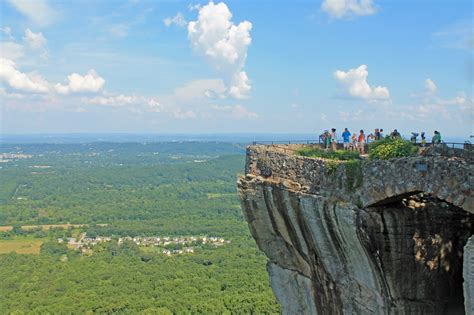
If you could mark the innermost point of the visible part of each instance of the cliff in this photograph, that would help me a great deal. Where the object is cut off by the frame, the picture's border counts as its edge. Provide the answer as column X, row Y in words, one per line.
column 368, row 237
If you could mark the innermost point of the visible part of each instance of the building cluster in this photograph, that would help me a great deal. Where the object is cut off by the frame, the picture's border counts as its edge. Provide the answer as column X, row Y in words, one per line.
column 169, row 245
column 6, row 157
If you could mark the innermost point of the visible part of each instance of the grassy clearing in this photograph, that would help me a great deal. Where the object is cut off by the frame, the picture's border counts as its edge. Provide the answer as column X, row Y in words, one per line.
column 21, row 246
column 211, row 196
column 341, row 155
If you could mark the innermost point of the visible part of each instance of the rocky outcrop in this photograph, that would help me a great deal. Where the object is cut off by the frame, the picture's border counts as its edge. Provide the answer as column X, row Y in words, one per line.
column 468, row 275
column 369, row 237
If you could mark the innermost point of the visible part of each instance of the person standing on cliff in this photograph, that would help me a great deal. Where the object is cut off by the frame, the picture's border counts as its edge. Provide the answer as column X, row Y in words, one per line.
column 377, row 134
column 346, row 136
column 333, row 139
column 423, row 139
column 354, row 142
column 395, row 134
column 361, row 142
column 436, row 138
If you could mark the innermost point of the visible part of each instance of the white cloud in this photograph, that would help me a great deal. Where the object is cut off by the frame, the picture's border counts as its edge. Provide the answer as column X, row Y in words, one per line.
column 37, row 11
column 180, row 114
column 7, row 31
column 355, row 83
column 206, row 88
column 430, row 86
column 177, row 20
column 223, row 44
column 430, row 97
column 36, row 41
column 459, row 35
column 459, row 99
column 238, row 111
column 121, row 100
column 348, row 8
column 91, row 82
column 11, row 50
column 194, row 7
column 26, row 82
column 240, row 85
column 429, row 106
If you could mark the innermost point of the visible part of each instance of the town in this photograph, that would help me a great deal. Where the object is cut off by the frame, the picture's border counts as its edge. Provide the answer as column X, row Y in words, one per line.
column 168, row 245
column 6, row 157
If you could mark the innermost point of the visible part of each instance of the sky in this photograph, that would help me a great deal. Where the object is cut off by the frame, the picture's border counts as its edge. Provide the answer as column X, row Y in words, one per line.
column 236, row 66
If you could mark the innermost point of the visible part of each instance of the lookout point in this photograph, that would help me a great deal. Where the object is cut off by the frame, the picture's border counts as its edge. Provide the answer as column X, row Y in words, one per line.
column 367, row 236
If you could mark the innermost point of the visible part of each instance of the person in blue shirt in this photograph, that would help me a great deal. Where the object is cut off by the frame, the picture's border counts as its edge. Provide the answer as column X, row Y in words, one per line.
column 346, row 136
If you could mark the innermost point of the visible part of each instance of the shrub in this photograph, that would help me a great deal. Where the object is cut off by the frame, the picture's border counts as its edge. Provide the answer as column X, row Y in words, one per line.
column 341, row 155
column 391, row 148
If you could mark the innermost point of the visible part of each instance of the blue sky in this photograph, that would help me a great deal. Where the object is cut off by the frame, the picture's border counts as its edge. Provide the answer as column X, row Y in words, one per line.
column 236, row 66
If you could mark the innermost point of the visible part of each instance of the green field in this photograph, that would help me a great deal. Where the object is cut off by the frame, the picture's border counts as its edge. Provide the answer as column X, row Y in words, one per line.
column 136, row 190
column 20, row 246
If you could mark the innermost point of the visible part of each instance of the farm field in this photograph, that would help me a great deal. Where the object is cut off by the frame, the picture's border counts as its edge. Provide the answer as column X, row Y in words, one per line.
column 20, row 246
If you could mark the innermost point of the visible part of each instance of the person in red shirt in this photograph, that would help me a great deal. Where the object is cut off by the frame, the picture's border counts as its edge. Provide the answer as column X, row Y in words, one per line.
column 361, row 142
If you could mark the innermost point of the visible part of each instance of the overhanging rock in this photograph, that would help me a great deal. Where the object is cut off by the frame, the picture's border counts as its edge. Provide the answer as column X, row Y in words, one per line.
column 369, row 237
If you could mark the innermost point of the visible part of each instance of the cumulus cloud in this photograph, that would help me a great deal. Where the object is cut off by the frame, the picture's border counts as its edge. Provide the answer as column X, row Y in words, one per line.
column 348, row 8
column 430, row 97
column 12, row 50
column 177, row 20
column 238, row 111
column 37, row 11
column 224, row 44
column 428, row 106
column 240, row 85
column 36, row 41
column 90, row 82
column 355, row 84
column 17, row 80
column 430, row 86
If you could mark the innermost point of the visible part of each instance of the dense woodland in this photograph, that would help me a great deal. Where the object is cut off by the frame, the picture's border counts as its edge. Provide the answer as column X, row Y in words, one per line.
column 137, row 190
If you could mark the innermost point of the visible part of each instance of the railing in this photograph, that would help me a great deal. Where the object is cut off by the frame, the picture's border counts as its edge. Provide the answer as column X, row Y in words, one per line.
column 454, row 145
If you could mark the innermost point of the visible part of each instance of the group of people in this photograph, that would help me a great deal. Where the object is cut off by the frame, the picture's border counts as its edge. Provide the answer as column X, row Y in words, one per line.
column 351, row 142
column 356, row 142
column 436, row 139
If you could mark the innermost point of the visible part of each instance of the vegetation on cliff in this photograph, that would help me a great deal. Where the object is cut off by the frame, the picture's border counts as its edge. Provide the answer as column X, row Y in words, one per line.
column 388, row 148
column 341, row 155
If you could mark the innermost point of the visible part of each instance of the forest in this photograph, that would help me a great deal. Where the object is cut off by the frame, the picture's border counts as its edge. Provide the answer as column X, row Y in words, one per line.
column 126, row 190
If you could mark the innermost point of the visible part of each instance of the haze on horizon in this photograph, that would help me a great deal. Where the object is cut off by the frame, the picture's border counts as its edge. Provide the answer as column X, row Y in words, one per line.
column 235, row 66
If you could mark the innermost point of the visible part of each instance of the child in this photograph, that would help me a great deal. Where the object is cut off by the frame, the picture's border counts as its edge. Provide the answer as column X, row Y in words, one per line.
column 354, row 142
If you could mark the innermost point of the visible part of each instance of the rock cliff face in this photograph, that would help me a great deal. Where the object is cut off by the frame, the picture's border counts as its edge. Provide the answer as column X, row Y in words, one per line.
column 371, row 237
